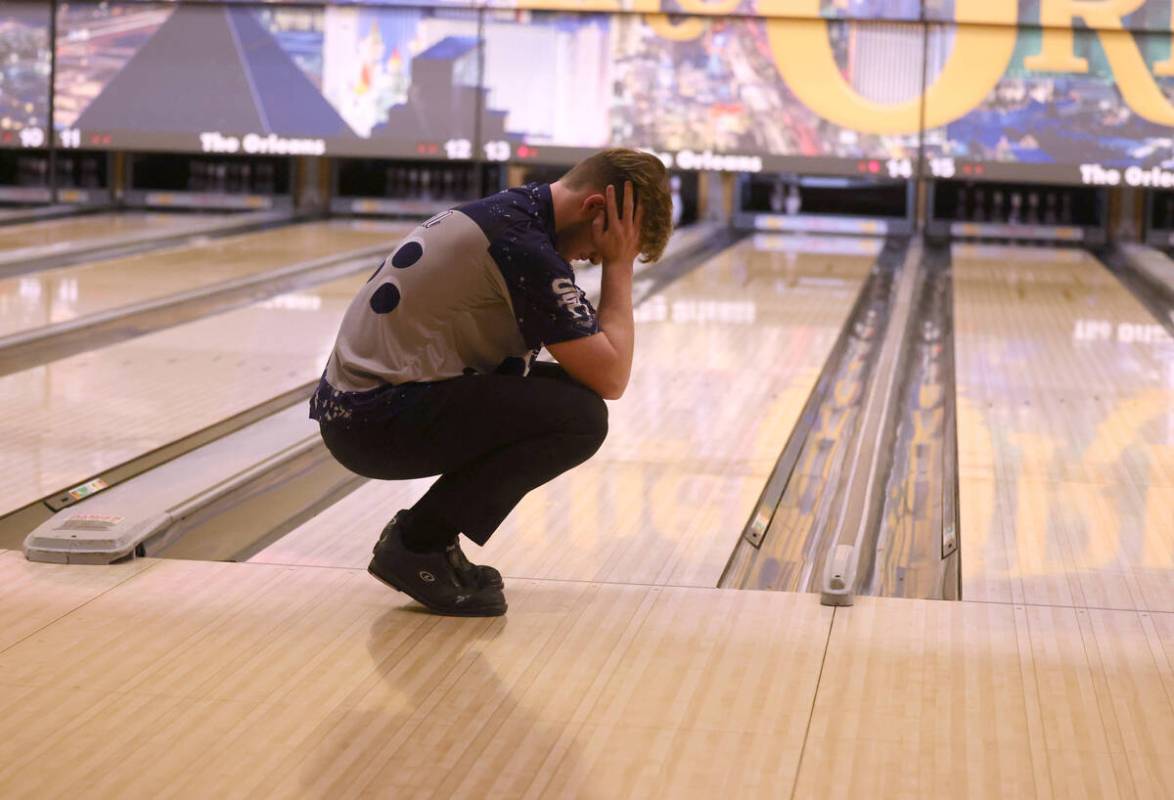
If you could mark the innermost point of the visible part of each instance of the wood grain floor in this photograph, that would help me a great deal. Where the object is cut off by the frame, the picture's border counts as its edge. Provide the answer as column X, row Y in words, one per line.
column 202, row 679
column 936, row 699
column 1065, row 431
column 60, row 295
column 666, row 497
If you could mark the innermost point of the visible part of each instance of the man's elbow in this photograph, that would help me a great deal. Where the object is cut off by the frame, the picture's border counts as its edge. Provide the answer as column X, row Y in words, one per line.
column 613, row 389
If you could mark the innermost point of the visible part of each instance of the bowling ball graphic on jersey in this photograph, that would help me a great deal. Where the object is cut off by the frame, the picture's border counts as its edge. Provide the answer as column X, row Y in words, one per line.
column 385, row 299
column 408, row 254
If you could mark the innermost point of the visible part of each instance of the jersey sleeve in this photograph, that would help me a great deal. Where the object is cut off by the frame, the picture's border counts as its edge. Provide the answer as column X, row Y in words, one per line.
column 548, row 305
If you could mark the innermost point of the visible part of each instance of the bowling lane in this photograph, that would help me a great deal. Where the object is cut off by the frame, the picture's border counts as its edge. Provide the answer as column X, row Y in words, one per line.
column 33, row 213
column 1065, row 388
column 52, row 296
column 73, row 418
column 102, row 228
column 725, row 359
column 1153, row 263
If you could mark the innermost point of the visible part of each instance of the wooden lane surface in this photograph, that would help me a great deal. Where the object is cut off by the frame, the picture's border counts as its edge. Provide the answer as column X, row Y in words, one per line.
column 32, row 597
column 725, row 360
column 52, row 296
column 73, row 418
column 201, row 679
column 984, row 700
column 198, row 679
column 98, row 227
column 1065, row 431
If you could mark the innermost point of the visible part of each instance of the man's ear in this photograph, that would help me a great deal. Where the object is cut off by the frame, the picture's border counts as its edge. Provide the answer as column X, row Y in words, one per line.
column 593, row 204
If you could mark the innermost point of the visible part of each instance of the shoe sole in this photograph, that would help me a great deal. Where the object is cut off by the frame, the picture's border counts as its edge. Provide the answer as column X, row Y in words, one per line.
column 448, row 612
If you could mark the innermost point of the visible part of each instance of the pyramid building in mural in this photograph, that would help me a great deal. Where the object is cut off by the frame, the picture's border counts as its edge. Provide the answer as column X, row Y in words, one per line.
column 214, row 69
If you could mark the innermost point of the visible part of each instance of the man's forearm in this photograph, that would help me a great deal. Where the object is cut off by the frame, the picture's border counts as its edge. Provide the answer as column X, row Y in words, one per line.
column 615, row 317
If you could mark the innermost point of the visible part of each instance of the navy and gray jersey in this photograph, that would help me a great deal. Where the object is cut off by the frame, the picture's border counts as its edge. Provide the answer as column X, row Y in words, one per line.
column 475, row 290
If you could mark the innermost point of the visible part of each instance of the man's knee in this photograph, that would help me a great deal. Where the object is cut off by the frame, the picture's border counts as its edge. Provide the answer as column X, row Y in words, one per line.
column 591, row 421
column 597, row 416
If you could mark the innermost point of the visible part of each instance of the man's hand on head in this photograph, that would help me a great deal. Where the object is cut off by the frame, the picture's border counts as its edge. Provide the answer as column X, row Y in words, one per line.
column 615, row 236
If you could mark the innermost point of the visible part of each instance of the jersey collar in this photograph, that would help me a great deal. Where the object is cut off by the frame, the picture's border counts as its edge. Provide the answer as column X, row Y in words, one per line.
column 546, row 210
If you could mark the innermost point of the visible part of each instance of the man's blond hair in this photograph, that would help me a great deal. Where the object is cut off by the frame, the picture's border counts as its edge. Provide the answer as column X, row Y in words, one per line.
column 650, row 180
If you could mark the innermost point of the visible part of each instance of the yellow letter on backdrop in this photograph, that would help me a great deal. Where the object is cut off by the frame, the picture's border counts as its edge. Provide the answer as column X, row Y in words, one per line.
column 808, row 65
column 1134, row 81
column 1166, row 68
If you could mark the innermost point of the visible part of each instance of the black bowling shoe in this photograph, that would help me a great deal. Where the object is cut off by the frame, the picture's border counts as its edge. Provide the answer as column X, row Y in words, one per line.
column 443, row 582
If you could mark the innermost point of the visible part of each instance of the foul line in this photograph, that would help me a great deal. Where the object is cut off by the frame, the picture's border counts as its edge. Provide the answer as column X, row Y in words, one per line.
column 814, row 698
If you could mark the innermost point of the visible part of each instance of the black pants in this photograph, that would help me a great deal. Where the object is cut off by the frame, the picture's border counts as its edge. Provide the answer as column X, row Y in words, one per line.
column 491, row 438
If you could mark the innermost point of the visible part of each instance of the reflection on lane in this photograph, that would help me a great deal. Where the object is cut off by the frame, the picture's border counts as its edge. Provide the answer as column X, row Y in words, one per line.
column 1066, row 433
column 52, row 296
column 74, row 230
column 74, row 418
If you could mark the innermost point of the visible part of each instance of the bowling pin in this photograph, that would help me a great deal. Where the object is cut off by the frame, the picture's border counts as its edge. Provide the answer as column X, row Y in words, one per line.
column 1050, row 212
column 777, row 197
column 794, row 201
column 90, row 179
